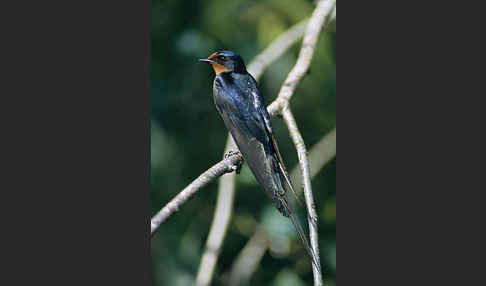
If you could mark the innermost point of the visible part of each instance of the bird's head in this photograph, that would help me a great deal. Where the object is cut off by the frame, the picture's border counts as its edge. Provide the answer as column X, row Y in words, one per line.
column 226, row 61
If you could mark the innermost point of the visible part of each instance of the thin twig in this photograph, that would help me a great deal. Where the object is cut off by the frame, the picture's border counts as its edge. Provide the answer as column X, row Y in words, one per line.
column 311, row 208
column 247, row 261
column 227, row 165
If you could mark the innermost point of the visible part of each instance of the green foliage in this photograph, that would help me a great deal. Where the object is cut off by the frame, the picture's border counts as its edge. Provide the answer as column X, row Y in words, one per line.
column 188, row 136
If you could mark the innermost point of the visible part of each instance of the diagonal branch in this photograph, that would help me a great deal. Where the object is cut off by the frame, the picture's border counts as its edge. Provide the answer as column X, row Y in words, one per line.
column 229, row 164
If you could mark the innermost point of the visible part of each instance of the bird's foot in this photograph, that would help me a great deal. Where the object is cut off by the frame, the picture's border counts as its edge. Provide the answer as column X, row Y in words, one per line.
column 231, row 153
column 237, row 167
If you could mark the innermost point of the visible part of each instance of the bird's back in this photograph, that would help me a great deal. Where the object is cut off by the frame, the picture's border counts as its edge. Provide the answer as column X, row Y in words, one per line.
column 235, row 102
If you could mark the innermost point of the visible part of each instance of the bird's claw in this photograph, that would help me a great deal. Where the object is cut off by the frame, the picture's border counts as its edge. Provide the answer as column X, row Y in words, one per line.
column 231, row 153
column 237, row 166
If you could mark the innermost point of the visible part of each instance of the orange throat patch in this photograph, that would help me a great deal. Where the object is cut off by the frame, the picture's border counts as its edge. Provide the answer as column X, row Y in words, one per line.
column 218, row 68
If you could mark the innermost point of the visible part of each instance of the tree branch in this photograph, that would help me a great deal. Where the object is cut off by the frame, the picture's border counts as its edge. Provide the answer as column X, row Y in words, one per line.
column 229, row 164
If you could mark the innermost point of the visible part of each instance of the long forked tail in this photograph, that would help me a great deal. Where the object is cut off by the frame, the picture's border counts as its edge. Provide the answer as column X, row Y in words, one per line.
column 302, row 234
column 292, row 203
column 294, row 207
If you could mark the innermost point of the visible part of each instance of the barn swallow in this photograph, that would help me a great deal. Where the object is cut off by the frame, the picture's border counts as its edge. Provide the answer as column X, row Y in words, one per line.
column 241, row 106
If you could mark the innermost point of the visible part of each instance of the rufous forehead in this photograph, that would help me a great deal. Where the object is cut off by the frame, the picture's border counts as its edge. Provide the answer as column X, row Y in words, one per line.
column 212, row 56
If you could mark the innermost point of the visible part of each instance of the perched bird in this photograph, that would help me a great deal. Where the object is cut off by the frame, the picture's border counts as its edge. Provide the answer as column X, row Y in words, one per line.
column 240, row 104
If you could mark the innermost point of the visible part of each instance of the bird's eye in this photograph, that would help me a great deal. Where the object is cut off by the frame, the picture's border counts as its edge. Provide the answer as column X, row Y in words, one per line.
column 223, row 58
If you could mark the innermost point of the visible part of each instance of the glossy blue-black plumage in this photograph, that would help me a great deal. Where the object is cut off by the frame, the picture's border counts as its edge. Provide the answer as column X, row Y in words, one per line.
column 242, row 108
column 237, row 96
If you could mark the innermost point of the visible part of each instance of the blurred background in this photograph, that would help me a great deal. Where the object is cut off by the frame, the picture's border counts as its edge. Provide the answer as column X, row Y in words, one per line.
column 188, row 137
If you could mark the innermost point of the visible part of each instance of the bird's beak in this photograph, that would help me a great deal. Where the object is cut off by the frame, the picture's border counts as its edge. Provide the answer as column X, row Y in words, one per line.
column 207, row 60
